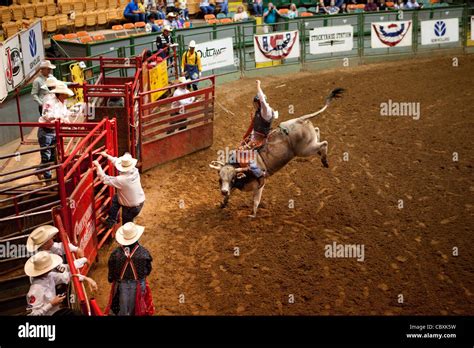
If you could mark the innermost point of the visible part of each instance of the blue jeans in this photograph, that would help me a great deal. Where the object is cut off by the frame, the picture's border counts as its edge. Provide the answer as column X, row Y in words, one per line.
column 128, row 213
column 127, row 292
column 258, row 9
column 339, row 3
column 47, row 138
column 185, row 13
column 207, row 9
column 135, row 17
column 225, row 7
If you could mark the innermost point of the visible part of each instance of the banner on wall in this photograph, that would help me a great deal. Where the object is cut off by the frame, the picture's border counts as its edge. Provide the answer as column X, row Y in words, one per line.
column 391, row 34
column 216, row 54
column 472, row 28
column 32, row 49
column 158, row 79
column 276, row 46
column 3, row 81
column 12, row 63
column 331, row 39
column 439, row 31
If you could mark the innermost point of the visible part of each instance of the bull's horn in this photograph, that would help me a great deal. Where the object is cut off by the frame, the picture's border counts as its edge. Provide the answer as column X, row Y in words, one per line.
column 238, row 170
column 218, row 163
column 215, row 167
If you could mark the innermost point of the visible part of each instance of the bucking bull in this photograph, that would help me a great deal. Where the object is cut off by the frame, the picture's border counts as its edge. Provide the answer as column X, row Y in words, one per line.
column 293, row 138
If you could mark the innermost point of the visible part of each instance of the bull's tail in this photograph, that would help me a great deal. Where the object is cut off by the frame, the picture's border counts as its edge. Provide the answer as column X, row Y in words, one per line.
column 335, row 93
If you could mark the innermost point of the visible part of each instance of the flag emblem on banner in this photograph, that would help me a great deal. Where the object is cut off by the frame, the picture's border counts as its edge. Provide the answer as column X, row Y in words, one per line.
column 392, row 34
column 276, row 46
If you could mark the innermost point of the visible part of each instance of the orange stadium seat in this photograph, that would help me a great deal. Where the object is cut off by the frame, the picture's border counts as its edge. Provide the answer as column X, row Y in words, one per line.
column 209, row 16
column 99, row 37
column 225, row 20
column 212, row 21
column 58, row 37
column 283, row 11
column 306, row 14
column 86, row 39
column 82, row 33
column 71, row 36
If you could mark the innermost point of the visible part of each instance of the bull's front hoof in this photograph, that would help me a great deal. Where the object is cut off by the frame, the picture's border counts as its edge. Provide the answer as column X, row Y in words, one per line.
column 325, row 163
column 252, row 216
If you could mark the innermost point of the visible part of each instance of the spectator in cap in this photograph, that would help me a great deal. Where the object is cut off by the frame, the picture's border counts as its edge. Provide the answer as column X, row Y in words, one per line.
column 133, row 13
column 39, row 89
column 130, row 196
column 129, row 265
column 191, row 63
column 46, row 270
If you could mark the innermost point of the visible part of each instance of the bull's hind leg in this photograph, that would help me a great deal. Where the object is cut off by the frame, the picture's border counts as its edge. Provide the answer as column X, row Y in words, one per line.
column 257, row 196
column 318, row 148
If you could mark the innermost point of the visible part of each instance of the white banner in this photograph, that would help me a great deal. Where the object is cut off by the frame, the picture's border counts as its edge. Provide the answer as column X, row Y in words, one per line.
column 32, row 48
column 3, row 82
column 439, row 31
column 472, row 27
column 331, row 39
column 276, row 46
column 216, row 54
column 13, row 66
column 391, row 34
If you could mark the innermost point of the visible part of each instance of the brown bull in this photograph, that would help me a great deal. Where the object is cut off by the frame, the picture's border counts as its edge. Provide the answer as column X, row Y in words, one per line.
column 293, row 138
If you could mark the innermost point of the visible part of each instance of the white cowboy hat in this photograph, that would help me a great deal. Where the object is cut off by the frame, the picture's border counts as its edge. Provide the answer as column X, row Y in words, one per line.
column 129, row 233
column 167, row 27
column 171, row 14
column 192, row 44
column 47, row 64
column 61, row 88
column 51, row 82
column 39, row 236
column 42, row 263
column 182, row 79
column 125, row 163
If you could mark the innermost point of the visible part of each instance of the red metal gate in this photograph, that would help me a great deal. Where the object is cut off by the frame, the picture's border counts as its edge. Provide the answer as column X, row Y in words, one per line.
column 169, row 131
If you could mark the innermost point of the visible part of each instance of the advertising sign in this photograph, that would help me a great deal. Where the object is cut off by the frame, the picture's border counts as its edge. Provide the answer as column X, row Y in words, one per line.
column 331, row 39
column 439, row 31
column 216, row 54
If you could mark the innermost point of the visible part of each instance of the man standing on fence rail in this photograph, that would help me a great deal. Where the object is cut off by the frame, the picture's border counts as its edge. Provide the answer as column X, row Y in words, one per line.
column 130, row 195
column 191, row 64
column 39, row 89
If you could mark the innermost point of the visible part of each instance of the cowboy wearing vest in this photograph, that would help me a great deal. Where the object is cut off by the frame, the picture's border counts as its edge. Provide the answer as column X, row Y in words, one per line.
column 191, row 64
column 129, row 265
column 46, row 271
column 259, row 128
column 129, row 192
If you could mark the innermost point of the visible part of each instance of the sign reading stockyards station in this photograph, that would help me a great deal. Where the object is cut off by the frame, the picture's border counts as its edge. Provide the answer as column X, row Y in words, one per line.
column 331, row 39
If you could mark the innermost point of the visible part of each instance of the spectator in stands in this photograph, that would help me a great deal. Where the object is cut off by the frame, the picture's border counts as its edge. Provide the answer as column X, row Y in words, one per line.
column 293, row 12
column 224, row 6
column 174, row 23
column 39, row 89
column 399, row 5
column 129, row 265
column 241, row 15
column 332, row 9
column 183, row 9
column 258, row 8
column 412, row 4
column 133, row 13
column 370, row 6
column 382, row 6
column 344, row 8
column 53, row 109
column 170, row 6
column 129, row 192
column 270, row 16
column 153, row 11
column 46, row 270
column 206, row 7
column 191, row 64
column 42, row 239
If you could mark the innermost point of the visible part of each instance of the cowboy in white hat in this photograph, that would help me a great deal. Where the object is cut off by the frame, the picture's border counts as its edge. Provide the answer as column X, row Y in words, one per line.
column 46, row 271
column 53, row 109
column 42, row 239
column 129, row 192
column 191, row 63
column 39, row 90
column 129, row 265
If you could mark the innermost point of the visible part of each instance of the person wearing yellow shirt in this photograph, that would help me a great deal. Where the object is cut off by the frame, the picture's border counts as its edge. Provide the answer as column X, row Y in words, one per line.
column 191, row 63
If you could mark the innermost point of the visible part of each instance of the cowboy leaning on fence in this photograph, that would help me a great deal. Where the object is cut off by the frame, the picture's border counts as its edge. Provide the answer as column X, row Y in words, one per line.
column 130, row 195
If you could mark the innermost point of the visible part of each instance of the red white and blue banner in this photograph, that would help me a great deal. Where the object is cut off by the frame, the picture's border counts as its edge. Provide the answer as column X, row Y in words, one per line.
column 3, row 80
column 440, row 31
column 391, row 34
column 12, row 63
column 276, row 46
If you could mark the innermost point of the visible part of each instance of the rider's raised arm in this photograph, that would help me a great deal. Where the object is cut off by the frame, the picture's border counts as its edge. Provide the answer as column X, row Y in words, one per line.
column 266, row 110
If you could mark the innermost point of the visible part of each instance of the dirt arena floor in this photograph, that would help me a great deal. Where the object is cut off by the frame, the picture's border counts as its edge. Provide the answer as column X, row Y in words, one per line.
column 408, row 251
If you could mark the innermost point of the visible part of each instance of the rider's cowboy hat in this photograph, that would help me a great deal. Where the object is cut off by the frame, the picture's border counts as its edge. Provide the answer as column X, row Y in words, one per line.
column 42, row 263
column 182, row 79
column 47, row 64
column 61, row 88
column 129, row 233
column 125, row 163
column 39, row 236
